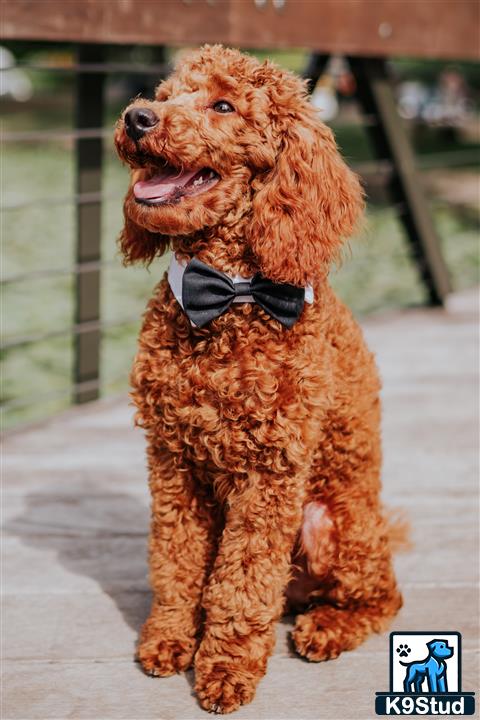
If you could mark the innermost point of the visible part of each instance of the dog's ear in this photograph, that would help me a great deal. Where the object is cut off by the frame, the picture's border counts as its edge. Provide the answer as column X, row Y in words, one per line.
column 304, row 207
column 138, row 244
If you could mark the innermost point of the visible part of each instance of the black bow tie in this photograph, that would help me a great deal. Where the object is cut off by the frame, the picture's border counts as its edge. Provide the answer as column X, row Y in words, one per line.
column 207, row 293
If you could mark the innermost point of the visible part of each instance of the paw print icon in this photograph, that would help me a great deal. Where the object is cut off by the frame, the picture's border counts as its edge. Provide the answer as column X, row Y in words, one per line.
column 403, row 650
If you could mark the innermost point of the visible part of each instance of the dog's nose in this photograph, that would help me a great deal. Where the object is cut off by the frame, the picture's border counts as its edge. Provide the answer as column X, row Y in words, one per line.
column 138, row 121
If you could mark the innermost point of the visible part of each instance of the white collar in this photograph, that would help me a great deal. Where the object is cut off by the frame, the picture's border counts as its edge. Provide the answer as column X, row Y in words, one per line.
column 175, row 279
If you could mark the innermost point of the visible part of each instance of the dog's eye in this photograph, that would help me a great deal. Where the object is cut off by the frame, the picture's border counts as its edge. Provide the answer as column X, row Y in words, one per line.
column 222, row 106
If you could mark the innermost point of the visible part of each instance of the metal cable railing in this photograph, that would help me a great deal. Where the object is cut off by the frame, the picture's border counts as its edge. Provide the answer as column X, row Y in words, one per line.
column 54, row 272
column 76, row 329
column 55, row 135
column 44, row 201
column 156, row 69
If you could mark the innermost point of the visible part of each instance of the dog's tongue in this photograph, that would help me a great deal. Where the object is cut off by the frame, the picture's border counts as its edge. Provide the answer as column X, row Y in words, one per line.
column 162, row 184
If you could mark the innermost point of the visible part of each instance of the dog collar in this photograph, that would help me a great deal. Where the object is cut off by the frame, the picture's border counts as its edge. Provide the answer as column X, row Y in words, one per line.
column 176, row 272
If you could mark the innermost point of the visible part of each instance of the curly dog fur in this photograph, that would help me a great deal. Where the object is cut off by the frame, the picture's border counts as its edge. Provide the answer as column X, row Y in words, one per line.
column 263, row 443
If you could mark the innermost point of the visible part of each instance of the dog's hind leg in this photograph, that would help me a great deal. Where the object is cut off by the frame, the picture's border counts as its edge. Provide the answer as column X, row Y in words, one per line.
column 407, row 682
column 357, row 595
column 360, row 595
column 418, row 683
column 325, row 631
column 180, row 549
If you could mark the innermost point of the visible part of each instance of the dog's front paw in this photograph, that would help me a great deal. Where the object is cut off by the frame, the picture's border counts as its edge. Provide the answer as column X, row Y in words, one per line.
column 167, row 642
column 223, row 690
column 161, row 658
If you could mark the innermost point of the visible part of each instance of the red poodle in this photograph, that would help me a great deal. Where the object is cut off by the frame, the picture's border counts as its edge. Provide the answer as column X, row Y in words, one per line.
column 259, row 398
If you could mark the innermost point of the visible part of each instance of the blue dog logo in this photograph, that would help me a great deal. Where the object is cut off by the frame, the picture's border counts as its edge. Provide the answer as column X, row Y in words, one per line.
column 433, row 668
column 432, row 686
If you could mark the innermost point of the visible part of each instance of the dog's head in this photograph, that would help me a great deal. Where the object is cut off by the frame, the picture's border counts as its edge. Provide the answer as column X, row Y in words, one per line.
column 440, row 649
column 231, row 148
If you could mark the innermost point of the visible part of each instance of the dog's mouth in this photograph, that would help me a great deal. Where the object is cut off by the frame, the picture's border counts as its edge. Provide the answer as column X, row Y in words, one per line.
column 170, row 185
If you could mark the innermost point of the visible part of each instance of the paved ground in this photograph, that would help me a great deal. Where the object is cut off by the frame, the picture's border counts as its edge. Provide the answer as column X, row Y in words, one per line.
column 76, row 514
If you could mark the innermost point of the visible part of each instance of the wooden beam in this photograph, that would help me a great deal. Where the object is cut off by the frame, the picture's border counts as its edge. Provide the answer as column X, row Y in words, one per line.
column 425, row 28
column 150, row 22
column 385, row 28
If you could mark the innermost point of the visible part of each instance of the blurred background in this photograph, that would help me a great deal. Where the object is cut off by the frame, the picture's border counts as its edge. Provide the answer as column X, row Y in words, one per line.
column 438, row 102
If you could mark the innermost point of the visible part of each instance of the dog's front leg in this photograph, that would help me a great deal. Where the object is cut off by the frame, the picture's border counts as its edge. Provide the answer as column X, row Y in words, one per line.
column 244, row 596
column 442, row 684
column 180, row 553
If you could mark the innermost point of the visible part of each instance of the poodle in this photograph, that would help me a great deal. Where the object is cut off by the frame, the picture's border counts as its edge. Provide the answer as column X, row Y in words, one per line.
column 257, row 393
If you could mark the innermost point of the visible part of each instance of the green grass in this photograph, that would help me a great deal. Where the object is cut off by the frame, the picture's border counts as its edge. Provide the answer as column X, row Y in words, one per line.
column 376, row 274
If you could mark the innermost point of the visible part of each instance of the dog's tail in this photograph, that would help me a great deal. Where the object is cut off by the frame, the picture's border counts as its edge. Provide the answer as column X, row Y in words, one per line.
column 398, row 530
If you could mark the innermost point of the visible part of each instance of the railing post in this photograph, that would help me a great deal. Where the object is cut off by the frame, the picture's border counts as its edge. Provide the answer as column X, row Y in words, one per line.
column 316, row 65
column 389, row 140
column 89, row 106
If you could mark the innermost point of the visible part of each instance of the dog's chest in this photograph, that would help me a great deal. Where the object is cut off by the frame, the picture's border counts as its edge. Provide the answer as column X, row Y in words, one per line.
column 216, row 406
column 225, row 401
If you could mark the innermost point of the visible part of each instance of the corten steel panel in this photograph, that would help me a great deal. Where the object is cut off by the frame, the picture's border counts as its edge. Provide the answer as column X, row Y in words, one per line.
column 421, row 28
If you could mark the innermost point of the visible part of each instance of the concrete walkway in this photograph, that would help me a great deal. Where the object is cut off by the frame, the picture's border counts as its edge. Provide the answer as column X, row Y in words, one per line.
column 76, row 515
